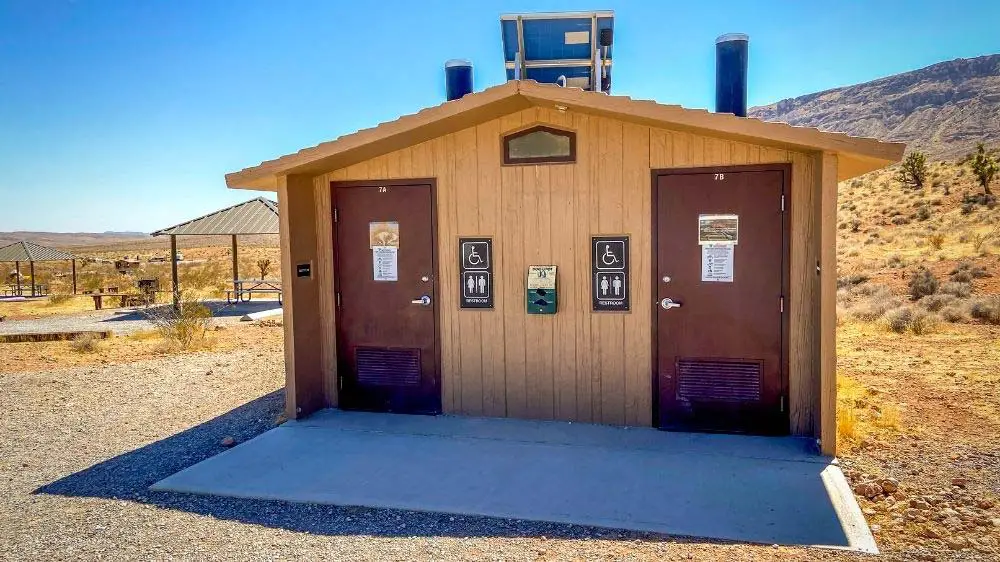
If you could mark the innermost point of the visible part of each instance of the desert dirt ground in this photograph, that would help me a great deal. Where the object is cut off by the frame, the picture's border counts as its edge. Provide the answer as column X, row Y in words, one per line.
column 85, row 434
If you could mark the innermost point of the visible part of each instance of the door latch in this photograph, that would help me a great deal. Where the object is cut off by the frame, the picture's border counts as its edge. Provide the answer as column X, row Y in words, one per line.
column 424, row 300
column 669, row 303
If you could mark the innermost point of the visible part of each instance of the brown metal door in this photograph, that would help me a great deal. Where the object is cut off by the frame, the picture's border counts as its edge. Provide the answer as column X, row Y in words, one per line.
column 720, row 354
column 385, row 281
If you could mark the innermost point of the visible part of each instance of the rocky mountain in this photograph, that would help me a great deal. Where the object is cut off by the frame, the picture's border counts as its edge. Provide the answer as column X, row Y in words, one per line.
column 943, row 109
column 63, row 239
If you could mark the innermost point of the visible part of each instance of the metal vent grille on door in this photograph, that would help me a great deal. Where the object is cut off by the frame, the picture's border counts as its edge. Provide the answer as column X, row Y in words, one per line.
column 388, row 367
column 708, row 380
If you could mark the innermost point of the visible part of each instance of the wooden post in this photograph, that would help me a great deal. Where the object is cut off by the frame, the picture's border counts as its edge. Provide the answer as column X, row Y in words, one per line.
column 17, row 276
column 73, row 262
column 31, row 265
column 173, row 271
column 828, row 305
column 236, row 266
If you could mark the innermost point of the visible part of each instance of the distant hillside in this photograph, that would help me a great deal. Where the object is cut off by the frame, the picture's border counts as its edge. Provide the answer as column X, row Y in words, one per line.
column 943, row 109
column 63, row 239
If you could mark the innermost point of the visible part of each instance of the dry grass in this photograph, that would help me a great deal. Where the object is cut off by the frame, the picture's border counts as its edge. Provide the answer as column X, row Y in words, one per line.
column 863, row 416
column 87, row 343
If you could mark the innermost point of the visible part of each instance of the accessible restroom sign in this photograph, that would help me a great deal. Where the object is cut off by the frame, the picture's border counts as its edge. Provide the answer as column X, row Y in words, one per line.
column 476, row 272
column 610, row 283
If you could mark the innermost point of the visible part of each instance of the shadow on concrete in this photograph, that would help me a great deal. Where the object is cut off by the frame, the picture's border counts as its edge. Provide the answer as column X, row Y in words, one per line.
column 129, row 476
column 220, row 309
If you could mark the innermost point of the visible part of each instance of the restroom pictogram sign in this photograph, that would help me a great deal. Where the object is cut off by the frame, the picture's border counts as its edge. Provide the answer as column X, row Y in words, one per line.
column 476, row 272
column 610, row 288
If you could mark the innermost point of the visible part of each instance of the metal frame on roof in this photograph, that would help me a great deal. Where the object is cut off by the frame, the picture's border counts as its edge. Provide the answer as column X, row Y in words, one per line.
column 31, row 252
column 256, row 216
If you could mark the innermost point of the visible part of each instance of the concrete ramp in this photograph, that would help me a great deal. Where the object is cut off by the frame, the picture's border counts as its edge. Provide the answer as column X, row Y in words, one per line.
column 753, row 489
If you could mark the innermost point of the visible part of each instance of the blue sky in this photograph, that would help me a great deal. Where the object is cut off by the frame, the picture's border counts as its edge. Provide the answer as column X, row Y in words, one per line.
column 126, row 114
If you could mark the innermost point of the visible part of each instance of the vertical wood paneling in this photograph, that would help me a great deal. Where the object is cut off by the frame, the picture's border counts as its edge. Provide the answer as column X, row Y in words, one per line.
column 802, row 295
column 635, row 223
column 323, row 277
column 511, row 280
column 490, row 224
column 469, row 399
column 612, row 325
column 581, row 235
column 826, row 167
column 576, row 365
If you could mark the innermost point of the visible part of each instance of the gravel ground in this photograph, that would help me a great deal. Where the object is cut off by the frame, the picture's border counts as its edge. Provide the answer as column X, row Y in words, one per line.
column 122, row 320
column 80, row 446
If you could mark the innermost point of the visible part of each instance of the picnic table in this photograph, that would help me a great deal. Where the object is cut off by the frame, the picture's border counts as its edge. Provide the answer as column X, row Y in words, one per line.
column 243, row 289
column 126, row 299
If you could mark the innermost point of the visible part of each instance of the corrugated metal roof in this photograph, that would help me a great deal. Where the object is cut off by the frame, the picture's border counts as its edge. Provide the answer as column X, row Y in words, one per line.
column 256, row 216
column 29, row 251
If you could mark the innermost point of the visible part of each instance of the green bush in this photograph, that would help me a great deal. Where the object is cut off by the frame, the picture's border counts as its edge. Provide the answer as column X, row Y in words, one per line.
column 913, row 170
column 922, row 283
column 985, row 167
column 184, row 326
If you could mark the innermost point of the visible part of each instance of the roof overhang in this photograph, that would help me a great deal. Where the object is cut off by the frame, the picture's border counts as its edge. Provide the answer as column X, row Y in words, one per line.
column 856, row 155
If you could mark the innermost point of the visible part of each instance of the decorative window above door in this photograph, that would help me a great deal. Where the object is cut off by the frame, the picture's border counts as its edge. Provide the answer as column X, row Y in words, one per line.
column 539, row 145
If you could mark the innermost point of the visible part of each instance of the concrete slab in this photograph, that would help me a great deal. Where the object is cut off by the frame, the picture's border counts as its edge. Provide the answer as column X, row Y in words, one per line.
column 261, row 315
column 753, row 489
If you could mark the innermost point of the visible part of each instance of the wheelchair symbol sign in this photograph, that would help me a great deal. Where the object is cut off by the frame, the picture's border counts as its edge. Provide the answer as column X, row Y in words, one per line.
column 609, row 254
column 475, row 255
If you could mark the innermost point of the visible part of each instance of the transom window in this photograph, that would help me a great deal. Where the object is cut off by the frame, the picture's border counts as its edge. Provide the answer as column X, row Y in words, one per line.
column 539, row 145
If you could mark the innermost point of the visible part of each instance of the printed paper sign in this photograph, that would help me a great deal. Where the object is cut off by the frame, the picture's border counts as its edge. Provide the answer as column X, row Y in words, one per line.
column 718, row 229
column 717, row 262
column 385, row 262
column 383, row 234
column 542, row 277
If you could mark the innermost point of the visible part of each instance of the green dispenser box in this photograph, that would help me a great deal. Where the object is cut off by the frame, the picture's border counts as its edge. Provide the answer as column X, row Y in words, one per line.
column 541, row 291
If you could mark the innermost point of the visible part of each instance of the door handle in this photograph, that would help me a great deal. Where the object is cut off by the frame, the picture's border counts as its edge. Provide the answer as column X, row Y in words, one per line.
column 669, row 303
column 422, row 301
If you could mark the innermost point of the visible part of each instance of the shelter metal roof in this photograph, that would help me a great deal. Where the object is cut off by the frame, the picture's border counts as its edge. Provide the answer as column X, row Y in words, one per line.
column 29, row 251
column 256, row 216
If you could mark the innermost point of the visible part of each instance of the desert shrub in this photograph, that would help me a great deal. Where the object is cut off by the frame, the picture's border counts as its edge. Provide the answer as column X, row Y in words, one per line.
column 923, row 322
column 923, row 213
column 922, row 283
column 900, row 220
column 937, row 302
column 87, row 343
column 956, row 288
column 913, row 170
column 898, row 319
column 978, row 240
column 895, row 262
column 967, row 271
column 852, row 280
column 936, row 241
column 263, row 266
column 59, row 298
column 985, row 167
column 986, row 309
column 874, row 300
column 954, row 314
column 855, row 225
column 208, row 275
column 182, row 327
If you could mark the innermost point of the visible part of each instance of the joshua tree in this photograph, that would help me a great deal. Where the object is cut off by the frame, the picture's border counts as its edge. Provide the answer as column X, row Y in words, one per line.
column 985, row 167
column 263, row 266
column 914, row 169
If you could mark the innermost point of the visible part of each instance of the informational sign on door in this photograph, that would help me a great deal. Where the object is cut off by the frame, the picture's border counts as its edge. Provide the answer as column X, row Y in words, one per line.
column 385, row 263
column 610, row 273
column 476, row 272
column 717, row 262
column 718, row 229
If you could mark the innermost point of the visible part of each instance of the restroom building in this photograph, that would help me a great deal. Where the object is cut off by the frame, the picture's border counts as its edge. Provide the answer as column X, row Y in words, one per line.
column 558, row 253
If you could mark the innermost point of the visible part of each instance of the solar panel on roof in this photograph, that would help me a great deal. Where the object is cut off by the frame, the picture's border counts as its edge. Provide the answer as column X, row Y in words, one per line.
column 571, row 49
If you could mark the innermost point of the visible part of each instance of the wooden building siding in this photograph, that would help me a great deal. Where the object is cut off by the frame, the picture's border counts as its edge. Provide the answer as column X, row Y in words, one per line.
column 574, row 365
